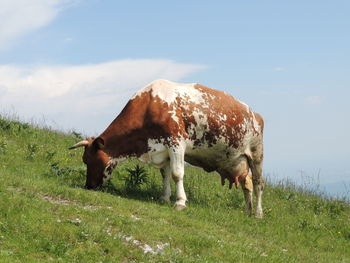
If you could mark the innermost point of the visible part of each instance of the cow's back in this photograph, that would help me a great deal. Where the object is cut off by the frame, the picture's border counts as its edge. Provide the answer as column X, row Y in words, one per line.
column 172, row 112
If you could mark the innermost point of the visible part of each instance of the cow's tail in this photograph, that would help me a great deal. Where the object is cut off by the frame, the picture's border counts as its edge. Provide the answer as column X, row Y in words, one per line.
column 250, row 161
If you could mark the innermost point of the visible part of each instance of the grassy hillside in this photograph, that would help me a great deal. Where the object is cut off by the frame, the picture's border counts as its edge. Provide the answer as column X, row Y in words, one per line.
column 46, row 216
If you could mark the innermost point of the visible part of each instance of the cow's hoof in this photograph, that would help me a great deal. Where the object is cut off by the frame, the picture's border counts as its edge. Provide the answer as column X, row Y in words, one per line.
column 259, row 215
column 179, row 207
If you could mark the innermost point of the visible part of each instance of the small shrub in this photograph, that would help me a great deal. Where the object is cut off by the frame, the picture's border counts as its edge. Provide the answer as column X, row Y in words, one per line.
column 31, row 150
column 135, row 178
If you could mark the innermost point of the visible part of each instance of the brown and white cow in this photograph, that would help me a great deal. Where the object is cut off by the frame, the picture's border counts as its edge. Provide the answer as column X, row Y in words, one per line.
column 168, row 124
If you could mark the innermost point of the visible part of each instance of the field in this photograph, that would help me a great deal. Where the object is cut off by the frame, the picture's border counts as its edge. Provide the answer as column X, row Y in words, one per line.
column 47, row 216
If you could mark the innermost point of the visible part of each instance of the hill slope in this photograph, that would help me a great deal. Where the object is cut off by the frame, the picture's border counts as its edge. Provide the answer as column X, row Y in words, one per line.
column 45, row 215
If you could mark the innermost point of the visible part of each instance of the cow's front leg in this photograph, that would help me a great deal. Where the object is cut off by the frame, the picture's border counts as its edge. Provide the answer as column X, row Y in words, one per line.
column 166, row 173
column 177, row 168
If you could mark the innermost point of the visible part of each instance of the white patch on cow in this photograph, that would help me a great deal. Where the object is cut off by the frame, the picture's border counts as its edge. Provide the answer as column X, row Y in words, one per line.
column 114, row 161
column 222, row 117
column 168, row 91
column 223, row 131
column 174, row 116
column 110, row 166
column 106, row 176
column 256, row 124
column 201, row 125
column 190, row 93
column 157, row 153
column 245, row 105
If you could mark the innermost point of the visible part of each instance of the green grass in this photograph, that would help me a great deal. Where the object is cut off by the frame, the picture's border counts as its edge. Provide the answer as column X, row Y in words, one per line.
column 46, row 215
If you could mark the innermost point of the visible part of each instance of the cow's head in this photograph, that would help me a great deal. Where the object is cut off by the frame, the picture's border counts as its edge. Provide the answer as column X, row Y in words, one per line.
column 95, row 159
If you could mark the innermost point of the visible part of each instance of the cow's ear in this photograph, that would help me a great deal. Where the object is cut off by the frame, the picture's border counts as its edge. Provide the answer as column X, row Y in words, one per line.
column 98, row 143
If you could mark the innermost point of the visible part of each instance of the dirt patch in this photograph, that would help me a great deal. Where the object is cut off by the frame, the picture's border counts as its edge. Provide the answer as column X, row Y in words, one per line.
column 63, row 201
column 58, row 200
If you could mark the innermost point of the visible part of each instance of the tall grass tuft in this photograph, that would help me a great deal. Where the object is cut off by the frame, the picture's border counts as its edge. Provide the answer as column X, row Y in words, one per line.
column 136, row 177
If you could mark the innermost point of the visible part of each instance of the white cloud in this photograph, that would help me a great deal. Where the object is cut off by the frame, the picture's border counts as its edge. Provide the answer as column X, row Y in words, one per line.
column 86, row 97
column 19, row 17
column 314, row 100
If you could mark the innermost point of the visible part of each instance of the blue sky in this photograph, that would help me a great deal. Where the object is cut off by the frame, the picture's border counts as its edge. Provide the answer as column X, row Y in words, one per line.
column 75, row 63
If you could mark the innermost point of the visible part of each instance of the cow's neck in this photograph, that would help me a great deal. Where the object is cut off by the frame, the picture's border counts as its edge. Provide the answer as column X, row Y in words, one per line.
column 127, row 137
column 112, row 163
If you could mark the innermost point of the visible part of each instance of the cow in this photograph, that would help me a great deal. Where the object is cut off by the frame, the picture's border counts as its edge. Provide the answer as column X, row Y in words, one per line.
column 168, row 124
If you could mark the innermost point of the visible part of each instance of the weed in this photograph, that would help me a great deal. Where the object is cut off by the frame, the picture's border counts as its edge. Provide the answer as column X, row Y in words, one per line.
column 135, row 177
column 57, row 170
column 32, row 149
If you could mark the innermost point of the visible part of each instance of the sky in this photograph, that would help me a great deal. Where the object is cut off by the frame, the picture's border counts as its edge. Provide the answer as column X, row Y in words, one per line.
column 73, row 64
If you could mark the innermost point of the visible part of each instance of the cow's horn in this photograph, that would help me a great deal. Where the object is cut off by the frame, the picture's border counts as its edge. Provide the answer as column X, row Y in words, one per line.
column 79, row 144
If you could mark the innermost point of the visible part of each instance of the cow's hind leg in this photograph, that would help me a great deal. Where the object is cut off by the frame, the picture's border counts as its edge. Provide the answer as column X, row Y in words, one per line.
column 255, row 162
column 166, row 173
column 177, row 163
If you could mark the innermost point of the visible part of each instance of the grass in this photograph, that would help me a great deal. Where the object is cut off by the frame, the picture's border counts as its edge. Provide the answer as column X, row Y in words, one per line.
column 46, row 215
